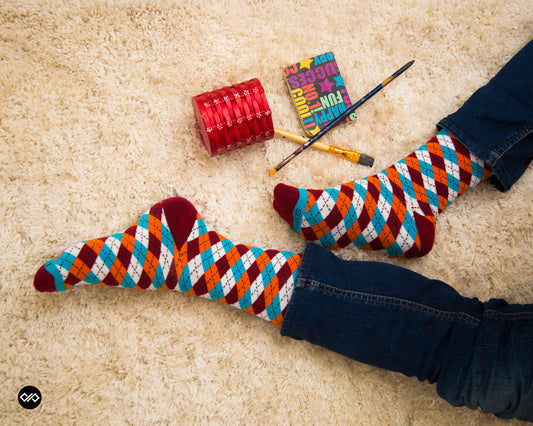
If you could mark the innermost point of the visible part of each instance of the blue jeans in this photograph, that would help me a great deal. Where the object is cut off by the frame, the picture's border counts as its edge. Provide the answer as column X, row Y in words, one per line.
column 478, row 354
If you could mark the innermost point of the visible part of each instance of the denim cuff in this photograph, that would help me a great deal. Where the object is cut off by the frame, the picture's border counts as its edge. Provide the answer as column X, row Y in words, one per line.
column 507, row 165
column 496, row 122
column 303, row 272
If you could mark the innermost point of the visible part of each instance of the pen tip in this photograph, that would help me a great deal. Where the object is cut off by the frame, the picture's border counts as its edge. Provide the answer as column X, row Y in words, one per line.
column 271, row 173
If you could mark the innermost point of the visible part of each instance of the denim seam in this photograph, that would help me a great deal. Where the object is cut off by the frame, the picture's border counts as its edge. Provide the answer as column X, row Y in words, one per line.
column 510, row 143
column 392, row 301
column 508, row 315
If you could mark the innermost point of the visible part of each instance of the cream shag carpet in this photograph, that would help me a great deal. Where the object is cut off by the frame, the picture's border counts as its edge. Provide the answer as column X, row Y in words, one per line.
column 96, row 125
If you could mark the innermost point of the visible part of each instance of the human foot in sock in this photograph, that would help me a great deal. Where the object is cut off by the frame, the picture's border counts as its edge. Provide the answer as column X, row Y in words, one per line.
column 395, row 210
column 170, row 247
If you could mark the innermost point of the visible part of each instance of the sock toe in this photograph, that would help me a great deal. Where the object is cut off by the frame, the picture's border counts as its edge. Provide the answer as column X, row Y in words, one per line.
column 44, row 281
column 285, row 200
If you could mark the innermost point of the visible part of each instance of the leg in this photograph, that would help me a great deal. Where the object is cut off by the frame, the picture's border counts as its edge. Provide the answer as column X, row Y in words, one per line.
column 387, row 316
column 170, row 247
column 396, row 210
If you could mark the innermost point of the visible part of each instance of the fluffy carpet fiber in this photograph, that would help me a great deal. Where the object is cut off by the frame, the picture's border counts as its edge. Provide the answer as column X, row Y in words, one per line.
column 96, row 125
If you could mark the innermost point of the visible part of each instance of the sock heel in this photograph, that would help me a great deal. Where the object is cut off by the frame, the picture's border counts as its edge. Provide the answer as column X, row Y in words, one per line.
column 426, row 232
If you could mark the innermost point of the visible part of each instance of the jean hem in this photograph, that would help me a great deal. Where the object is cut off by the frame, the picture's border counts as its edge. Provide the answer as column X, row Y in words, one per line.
column 292, row 308
column 500, row 178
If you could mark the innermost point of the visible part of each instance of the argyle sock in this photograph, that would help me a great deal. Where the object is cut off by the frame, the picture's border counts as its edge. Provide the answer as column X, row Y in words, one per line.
column 395, row 210
column 170, row 247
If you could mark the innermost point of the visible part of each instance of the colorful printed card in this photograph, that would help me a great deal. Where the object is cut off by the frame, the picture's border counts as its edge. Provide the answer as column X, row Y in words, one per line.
column 318, row 92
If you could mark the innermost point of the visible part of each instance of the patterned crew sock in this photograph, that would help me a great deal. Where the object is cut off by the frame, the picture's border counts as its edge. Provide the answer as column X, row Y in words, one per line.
column 395, row 210
column 170, row 247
